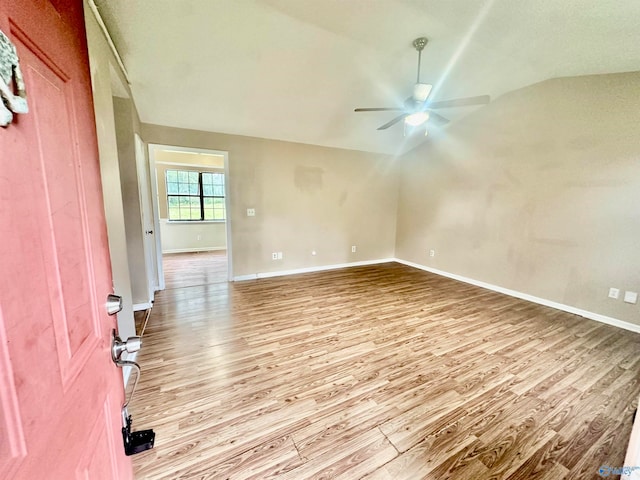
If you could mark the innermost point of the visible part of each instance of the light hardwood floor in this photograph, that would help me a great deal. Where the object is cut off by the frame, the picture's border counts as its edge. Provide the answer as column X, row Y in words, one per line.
column 193, row 269
column 379, row 372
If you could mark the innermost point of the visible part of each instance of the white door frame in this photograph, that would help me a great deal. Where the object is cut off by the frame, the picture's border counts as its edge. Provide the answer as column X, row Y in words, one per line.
column 153, row 147
column 146, row 217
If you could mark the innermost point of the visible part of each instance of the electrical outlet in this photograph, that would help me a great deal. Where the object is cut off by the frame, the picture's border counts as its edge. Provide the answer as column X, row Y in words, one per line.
column 630, row 297
column 251, row 212
column 279, row 256
column 432, row 253
column 614, row 293
column 353, row 249
column 274, row 256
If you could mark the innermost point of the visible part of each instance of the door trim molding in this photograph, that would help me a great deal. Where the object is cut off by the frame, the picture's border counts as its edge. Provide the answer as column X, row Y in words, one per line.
column 153, row 147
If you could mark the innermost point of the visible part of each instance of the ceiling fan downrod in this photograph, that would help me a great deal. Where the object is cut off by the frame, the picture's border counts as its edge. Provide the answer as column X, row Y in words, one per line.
column 419, row 44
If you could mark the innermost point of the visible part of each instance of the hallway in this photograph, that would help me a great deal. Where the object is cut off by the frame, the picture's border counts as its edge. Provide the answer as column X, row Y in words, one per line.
column 183, row 270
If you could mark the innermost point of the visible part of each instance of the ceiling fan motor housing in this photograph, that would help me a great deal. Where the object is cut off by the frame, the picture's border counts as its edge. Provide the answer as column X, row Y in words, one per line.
column 421, row 91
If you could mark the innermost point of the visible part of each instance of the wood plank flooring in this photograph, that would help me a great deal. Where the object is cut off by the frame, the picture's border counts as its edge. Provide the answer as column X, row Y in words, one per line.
column 193, row 269
column 379, row 372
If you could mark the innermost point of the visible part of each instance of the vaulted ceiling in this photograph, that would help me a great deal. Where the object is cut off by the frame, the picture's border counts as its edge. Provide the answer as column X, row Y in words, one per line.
column 295, row 69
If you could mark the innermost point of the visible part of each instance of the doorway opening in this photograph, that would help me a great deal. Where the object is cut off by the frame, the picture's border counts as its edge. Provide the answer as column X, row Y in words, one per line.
column 191, row 208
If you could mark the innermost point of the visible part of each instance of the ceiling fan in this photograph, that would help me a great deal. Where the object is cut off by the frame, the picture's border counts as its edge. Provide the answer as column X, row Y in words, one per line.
column 418, row 108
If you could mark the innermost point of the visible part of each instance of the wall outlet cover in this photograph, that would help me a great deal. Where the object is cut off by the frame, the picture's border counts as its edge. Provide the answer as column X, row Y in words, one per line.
column 614, row 293
column 631, row 297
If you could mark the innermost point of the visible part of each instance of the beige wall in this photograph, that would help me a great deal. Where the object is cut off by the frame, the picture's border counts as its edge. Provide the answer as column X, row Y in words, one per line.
column 127, row 124
column 306, row 198
column 103, row 66
column 538, row 192
column 192, row 236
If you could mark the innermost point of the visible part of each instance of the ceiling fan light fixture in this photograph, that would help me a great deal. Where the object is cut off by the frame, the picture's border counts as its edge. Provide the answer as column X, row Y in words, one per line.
column 414, row 108
column 416, row 119
column 421, row 91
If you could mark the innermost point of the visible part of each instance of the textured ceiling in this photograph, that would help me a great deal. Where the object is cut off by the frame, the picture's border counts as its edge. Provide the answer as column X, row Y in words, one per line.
column 295, row 69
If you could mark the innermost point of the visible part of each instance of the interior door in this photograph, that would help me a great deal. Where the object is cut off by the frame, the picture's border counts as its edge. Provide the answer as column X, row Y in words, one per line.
column 153, row 173
column 60, row 393
column 149, row 242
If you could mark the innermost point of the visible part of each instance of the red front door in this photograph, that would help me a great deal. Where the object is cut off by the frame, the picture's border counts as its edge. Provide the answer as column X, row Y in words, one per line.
column 60, row 394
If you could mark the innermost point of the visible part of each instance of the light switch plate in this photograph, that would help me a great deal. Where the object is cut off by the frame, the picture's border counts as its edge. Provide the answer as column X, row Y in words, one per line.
column 630, row 297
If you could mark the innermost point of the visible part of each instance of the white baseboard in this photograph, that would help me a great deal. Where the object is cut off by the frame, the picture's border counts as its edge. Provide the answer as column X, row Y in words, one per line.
column 193, row 250
column 321, row 268
column 244, row 278
column 525, row 296
column 142, row 306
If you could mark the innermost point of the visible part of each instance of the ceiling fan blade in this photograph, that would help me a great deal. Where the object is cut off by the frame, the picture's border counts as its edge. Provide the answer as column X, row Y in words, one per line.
column 461, row 102
column 379, row 109
column 393, row 122
column 437, row 118
column 409, row 103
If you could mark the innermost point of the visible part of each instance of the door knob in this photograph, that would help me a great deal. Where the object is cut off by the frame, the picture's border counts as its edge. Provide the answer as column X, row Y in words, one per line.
column 118, row 347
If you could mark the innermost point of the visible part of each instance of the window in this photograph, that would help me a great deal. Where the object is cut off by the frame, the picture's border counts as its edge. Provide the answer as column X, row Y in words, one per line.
column 195, row 195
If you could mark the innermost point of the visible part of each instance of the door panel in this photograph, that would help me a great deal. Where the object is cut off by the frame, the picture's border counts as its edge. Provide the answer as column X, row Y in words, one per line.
column 97, row 466
column 67, row 232
column 60, row 392
column 12, row 442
